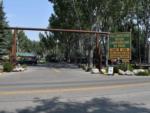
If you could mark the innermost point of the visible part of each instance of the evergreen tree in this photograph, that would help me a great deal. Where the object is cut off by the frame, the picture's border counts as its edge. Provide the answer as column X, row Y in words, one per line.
column 5, row 35
column 24, row 43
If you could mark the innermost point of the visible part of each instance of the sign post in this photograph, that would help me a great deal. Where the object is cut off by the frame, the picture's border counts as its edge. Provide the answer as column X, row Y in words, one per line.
column 120, row 46
column 110, row 70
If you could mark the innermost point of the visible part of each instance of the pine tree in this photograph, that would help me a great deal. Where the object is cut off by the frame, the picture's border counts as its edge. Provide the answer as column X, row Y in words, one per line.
column 5, row 35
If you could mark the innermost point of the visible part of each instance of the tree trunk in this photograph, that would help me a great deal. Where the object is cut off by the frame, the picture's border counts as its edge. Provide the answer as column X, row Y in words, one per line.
column 90, row 58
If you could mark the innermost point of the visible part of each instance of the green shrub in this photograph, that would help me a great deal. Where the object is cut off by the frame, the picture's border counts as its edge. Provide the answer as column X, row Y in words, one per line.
column 116, row 69
column 24, row 66
column 130, row 67
column 8, row 67
column 123, row 67
column 145, row 73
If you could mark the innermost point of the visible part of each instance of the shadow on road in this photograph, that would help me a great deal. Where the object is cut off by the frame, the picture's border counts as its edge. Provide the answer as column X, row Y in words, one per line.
column 96, row 105
column 58, row 65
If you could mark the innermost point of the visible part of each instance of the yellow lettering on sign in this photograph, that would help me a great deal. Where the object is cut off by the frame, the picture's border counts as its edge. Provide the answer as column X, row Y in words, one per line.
column 123, row 53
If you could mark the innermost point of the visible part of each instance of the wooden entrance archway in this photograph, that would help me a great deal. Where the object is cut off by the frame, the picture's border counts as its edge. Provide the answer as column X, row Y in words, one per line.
column 15, row 29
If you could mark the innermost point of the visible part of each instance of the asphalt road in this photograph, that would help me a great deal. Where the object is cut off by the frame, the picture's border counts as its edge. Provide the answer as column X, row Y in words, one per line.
column 63, row 88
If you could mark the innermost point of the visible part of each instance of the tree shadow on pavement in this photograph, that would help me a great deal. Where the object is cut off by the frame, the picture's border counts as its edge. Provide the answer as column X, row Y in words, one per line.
column 103, row 105
column 59, row 66
column 65, row 66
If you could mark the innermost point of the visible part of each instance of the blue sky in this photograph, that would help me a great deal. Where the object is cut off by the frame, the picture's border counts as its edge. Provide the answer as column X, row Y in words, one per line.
column 28, row 13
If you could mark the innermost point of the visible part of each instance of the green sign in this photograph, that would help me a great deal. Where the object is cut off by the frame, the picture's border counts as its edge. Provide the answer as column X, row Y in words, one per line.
column 120, row 46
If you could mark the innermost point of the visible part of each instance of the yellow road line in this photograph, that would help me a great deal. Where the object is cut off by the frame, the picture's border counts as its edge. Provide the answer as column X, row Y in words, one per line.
column 75, row 89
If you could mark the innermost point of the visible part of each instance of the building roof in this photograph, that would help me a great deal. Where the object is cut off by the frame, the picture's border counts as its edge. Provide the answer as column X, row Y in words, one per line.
column 25, row 54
